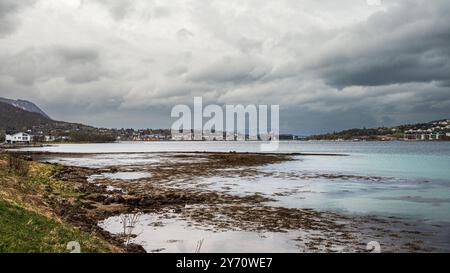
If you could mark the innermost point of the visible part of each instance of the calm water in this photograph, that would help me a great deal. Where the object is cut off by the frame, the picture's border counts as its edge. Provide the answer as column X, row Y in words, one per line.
column 178, row 235
column 423, row 148
column 413, row 178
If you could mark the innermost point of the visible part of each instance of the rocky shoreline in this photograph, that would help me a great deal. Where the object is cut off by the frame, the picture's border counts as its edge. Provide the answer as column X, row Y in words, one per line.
column 98, row 203
column 323, row 231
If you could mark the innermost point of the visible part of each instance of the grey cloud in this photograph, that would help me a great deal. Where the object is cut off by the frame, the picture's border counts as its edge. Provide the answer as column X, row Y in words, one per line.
column 118, row 9
column 406, row 44
column 184, row 34
column 356, row 66
column 81, row 55
column 444, row 83
column 248, row 45
column 8, row 13
column 75, row 65
column 239, row 69
column 79, row 65
column 161, row 12
column 121, row 9
column 370, row 107
column 177, row 71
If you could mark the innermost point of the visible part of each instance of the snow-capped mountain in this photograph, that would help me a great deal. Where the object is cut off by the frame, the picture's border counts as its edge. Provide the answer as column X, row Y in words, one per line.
column 25, row 105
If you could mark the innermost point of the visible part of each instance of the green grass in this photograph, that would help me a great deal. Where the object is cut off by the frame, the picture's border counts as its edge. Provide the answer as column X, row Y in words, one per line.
column 26, row 224
column 41, row 176
column 22, row 231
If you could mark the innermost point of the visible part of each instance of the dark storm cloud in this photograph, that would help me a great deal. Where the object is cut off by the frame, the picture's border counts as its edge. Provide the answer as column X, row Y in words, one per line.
column 409, row 43
column 328, row 64
column 377, row 106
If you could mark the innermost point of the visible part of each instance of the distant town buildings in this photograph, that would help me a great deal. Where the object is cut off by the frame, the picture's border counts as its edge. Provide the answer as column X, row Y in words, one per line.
column 437, row 131
column 432, row 131
column 189, row 135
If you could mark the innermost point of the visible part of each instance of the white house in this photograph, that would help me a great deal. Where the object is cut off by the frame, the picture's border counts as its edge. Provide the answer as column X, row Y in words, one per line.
column 18, row 138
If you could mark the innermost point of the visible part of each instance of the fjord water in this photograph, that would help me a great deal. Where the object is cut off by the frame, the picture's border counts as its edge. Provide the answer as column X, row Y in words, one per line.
column 406, row 179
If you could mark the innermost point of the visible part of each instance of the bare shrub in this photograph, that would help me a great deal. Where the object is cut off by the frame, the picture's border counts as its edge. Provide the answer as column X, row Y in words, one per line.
column 17, row 165
column 129, row 222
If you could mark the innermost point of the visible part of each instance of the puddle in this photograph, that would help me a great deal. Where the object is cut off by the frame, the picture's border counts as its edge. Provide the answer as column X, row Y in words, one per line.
column 126, row 175
column 103, row 161
column 109, row 160
column 119, row 176
column 172, row 234
column 112, row 188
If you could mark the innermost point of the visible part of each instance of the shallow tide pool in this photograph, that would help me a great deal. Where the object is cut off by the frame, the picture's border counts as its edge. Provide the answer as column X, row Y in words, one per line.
column 174, row 235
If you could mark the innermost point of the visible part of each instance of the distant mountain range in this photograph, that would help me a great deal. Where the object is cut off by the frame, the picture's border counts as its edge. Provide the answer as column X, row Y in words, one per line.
column 25, row 116
column 25, row 105
column 16, row 118
column 22, row 115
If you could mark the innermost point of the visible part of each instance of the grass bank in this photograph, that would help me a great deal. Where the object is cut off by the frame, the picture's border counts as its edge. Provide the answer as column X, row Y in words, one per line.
column 28, row 222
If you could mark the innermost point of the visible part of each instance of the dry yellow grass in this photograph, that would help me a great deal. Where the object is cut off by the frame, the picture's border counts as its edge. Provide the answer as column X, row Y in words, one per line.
column 24, row 202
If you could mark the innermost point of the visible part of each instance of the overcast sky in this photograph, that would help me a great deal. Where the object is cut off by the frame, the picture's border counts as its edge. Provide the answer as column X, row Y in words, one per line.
column 329, row 64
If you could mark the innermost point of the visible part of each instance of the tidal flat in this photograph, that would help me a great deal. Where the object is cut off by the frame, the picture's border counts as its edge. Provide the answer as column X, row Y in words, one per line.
column 235, row 202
